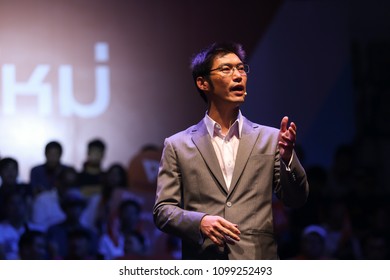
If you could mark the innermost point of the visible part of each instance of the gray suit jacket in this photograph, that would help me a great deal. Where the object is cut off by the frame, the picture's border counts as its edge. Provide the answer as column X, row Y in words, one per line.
column 191, row 184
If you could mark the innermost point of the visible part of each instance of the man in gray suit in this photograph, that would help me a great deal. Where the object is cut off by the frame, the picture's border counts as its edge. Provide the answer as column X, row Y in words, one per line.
column 217, row 178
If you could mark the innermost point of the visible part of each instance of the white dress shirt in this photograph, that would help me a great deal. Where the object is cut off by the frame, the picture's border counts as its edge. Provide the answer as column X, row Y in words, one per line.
column 225, row 146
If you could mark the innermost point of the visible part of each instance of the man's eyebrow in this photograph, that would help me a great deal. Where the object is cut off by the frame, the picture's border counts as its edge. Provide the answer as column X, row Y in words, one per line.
column 230, row 64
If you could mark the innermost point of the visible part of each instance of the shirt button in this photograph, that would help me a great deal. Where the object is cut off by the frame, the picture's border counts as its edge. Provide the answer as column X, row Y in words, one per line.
column 229, row 204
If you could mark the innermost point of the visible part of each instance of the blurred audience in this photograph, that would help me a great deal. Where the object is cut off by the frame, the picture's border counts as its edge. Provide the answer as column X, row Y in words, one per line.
column 134, row 246
column 9, row 173
column 33, row 246
column 47, row 210
column 72, row 203
column 79, row 245
column 44, row 176
column 112, row 243
column 15, row 223
column 95, row 214
column 102, row 208
column 91, row 175
column 312, row 244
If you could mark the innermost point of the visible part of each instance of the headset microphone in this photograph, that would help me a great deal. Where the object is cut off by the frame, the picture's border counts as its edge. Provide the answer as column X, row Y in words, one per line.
column 245, row 93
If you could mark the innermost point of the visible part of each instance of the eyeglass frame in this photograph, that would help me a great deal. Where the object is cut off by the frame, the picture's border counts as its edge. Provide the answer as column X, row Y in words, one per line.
column 231, row 70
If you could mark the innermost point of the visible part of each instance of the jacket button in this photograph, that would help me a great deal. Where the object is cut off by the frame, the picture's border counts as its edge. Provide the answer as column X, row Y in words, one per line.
column 294, row 177
column 229, row 204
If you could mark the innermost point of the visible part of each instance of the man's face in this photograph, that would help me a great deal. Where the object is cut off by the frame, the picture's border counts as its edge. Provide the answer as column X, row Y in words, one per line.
column 53, row 156
column 227, row 87
column 9, row 174
column 95, row 155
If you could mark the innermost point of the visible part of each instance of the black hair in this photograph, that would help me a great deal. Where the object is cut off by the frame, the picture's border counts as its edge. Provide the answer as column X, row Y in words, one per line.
column 27, row 238
column 130, row 202
column 122, row 173
column 97, row 143
column 53, row 145
column 4, row 162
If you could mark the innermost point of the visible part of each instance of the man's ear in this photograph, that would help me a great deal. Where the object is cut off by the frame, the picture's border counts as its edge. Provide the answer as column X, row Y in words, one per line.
column 202, row 84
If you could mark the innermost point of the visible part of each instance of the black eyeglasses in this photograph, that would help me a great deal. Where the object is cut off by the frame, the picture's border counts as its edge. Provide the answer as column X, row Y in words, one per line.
column 228, row 69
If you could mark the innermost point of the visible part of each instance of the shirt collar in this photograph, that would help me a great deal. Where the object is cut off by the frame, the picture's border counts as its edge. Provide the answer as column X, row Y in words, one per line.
column 211, row 124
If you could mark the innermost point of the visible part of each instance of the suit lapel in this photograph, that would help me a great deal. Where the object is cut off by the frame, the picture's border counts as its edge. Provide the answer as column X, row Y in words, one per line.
column 247, row 142
column 202, row 140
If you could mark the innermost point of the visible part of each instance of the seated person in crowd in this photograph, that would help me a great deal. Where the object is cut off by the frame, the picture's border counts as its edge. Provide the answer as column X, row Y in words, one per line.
column 9, row 172
column 134, row 247
column 79, row 243
column 33, row 246
column 73, row 204
column 112, row 243
column 102, row 208
column 46, row 208
column 14, row 225
column 44, row 176
column 91, row 175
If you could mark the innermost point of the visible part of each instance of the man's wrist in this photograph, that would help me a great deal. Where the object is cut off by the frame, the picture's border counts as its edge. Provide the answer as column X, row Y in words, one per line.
column 288, row 165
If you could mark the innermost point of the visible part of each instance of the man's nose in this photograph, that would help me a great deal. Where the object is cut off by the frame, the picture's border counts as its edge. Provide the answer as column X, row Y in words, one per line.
column 236, row 74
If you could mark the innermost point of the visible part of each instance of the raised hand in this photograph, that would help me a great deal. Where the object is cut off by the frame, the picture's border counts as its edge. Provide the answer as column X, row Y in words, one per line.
column 287, row 137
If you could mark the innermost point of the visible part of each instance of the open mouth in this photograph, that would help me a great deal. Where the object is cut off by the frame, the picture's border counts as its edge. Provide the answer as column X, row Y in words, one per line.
column 237, row 88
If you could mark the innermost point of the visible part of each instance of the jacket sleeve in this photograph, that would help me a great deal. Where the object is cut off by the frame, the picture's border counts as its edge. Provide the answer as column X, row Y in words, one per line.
column 292, row 186
column 168, row 214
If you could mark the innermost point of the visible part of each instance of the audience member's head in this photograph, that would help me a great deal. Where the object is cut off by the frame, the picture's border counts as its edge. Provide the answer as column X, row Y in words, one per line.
column 116, row 176
column 53, row 153
column 79, row 245
column 313, row 242
column 33, row 246
column 134, row 243
column 73, row 204
column 129, row 215
column 95, row 152
column 67, row 178
column 9, row 171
